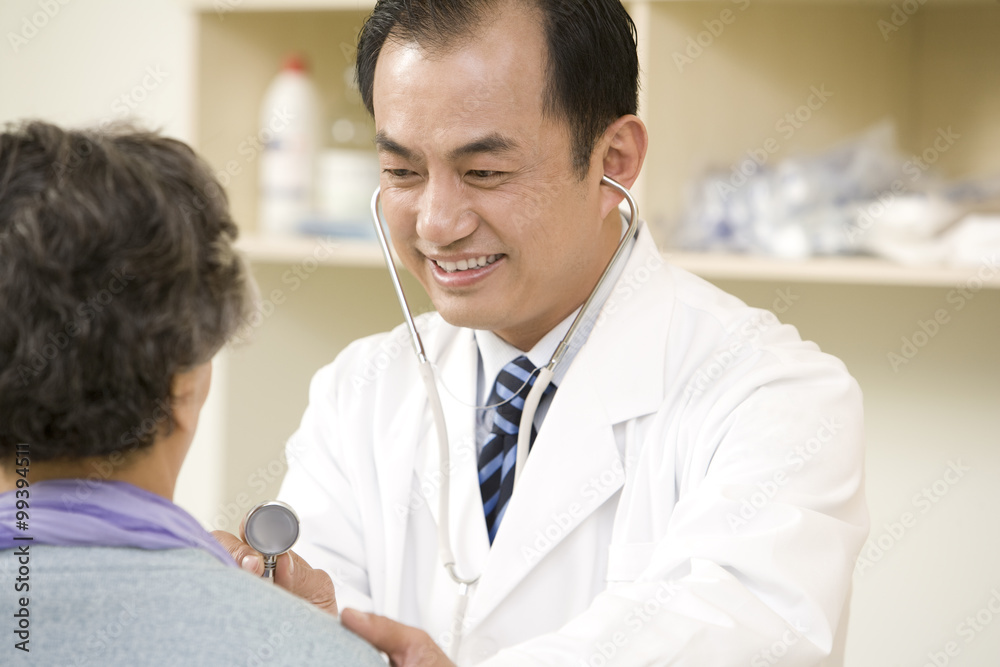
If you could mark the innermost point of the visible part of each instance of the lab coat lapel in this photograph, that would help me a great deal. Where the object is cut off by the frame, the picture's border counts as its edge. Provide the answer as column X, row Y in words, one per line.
column 552, row 498
column 575, row 465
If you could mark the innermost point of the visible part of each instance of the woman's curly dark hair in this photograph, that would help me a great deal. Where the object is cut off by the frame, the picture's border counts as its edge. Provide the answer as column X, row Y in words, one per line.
column 117, row 272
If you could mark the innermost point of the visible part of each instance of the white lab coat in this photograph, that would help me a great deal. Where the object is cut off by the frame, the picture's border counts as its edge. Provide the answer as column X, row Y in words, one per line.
column 694, row 496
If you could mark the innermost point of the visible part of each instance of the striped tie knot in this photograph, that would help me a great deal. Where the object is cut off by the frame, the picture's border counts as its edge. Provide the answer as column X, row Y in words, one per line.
column 499, row 453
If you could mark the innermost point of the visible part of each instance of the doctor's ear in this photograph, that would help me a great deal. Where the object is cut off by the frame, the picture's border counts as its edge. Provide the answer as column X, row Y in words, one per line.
column 621, row 150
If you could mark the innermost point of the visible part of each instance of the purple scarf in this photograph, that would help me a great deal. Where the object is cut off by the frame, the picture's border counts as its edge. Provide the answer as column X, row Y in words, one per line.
column 84, row 512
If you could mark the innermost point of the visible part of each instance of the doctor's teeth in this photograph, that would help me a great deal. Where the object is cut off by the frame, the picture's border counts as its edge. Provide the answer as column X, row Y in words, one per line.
column 467, row 264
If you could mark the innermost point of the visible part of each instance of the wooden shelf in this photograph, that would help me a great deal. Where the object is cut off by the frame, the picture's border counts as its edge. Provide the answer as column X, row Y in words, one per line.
column 293, row 250
column 831, row 270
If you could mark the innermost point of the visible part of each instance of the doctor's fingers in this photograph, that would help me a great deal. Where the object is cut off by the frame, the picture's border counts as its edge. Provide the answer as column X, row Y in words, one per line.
column 245, row 556
column 291, row 572
column 295, row 575
column 406, row 646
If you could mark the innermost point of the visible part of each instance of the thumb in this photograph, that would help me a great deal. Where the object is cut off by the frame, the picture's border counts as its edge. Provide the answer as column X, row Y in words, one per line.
column 245, row 556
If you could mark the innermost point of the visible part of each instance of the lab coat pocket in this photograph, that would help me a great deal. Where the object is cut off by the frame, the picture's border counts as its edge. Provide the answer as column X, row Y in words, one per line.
column 627, row 561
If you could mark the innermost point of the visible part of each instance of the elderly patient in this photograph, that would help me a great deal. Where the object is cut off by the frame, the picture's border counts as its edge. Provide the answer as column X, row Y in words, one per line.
column 118, row 284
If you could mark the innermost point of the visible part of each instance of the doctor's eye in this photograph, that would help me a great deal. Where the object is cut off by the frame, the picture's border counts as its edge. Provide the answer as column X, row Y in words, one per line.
column 398, row 173
column 485, row 174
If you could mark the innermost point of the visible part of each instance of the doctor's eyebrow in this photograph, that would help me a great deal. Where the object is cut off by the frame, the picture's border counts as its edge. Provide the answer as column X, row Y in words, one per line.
column 494, row 143
column 384, row 144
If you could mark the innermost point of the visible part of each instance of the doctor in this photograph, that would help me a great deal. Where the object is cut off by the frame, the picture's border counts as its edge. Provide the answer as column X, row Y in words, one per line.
column 694, row 492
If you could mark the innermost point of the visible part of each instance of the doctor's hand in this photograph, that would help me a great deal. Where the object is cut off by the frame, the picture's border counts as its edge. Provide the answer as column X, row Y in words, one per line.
column 405, row 646
column 291, row 573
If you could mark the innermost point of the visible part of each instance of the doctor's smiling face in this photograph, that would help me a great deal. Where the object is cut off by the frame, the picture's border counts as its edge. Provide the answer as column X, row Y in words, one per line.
column 479, row 189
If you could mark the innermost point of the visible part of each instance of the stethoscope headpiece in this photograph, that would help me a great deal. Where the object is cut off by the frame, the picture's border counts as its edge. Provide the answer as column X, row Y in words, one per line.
column 272, row 527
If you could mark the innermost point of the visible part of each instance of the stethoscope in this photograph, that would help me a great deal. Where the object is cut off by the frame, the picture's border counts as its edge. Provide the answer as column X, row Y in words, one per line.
column 272, row 527
column 543, row 380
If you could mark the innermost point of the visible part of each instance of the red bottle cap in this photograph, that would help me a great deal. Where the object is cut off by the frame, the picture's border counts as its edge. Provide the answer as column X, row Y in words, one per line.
column 295, row 62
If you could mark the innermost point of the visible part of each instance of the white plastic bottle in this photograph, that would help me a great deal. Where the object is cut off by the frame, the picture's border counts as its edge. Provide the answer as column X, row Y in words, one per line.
column 289, row 123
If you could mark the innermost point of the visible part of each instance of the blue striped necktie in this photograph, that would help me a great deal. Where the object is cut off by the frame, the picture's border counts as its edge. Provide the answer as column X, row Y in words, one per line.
column 496, row 460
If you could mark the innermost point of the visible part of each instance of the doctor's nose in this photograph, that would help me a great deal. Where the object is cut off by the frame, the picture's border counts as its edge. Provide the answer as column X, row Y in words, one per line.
column 444, row 217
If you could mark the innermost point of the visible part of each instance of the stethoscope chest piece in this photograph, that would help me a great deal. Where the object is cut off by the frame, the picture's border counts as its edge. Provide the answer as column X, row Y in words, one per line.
column 271, row 527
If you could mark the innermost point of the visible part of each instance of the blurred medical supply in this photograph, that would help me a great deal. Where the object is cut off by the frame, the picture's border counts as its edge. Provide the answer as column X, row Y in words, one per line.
column 862, row 197
column 289, row 118
column 346, row 178
column 311, row 181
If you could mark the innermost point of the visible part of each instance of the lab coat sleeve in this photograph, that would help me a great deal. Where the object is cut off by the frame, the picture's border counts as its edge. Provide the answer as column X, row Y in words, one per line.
column 754, row 563
column 324, row 493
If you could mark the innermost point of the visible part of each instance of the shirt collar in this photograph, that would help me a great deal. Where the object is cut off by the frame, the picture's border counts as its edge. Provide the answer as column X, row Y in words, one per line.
column 495, row 352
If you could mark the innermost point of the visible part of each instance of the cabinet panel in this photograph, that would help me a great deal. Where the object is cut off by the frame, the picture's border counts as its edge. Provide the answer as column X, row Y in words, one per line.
column 958, row 86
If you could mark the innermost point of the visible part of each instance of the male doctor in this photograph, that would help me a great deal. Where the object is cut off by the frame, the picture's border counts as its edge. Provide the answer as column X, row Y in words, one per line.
column 694, row 491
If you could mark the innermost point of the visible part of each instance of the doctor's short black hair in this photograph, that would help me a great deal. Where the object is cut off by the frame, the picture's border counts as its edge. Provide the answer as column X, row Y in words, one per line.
column 117, row 272
column 593, row 65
